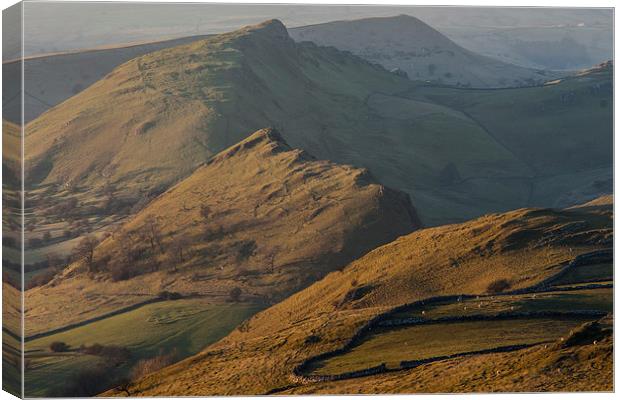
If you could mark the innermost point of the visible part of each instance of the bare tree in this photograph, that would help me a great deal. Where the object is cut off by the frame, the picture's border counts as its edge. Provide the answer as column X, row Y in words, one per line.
column 85, row 250
column 235, row 294
column 205, row 212
column 123, row 386
column 179, row 251
column 152, row 232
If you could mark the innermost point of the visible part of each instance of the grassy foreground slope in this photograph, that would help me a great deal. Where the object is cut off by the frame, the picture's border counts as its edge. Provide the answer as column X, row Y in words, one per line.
column 407, row 43
column 587, row 366
column 260, row 218
column 522, row 247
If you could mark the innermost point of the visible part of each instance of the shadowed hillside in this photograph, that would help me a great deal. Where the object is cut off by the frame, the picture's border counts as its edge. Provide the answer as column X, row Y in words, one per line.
column 256, row 223
column 499, row 260
column 545, row 127
column 423, row 53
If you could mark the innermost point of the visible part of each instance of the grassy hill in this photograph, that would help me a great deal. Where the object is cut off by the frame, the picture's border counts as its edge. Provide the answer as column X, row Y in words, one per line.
column 52, row 78
column 260, row 218
column 451, row 158
column 552, row 367
column 572, row 167
column 406, row 43
column 520, row 250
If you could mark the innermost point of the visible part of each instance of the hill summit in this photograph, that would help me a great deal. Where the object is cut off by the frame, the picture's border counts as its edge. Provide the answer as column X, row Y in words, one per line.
column 259, row 217
column 410, row 45
column 153, row 120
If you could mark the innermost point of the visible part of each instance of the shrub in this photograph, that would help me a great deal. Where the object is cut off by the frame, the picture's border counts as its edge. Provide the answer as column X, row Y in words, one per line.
column 93, row 350
column 246, row 250
column 235, row 294
column 205, row 212
column 166, row 295
column 59, row 347
column 498, row 286
column 356, row 293
column 312, row 339
column 115, row 355
column 150, row 365
column 41, row 278
column 213, row 233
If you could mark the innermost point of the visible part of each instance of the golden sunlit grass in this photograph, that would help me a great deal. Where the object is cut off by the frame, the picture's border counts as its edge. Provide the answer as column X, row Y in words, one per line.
column 440, row 340
column 260, row 217
column 450, row 260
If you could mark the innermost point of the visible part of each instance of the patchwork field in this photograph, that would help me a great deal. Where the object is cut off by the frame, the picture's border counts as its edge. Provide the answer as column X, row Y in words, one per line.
column 183, row 327
column 502, row 268
column 391, row 347
column 443, row 328
column 552, row 301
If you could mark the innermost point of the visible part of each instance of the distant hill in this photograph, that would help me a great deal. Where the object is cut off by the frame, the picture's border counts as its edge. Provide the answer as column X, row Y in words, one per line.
column 407, row 44
column 53, row 78
column 456, row 158
column 260, row 217
column 522, row 248
column 545, row 127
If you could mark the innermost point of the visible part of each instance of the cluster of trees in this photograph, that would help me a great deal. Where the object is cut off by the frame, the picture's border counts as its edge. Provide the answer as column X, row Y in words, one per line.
column 137, row 252
column 106, row 375
column 150, row 365
column 147, row 249
column 91, row 381
column 52, row 264
column 498, row 286
column 112, row 355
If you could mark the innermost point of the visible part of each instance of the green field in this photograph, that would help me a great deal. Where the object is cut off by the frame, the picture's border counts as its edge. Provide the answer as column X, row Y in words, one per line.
column 11, row 376
column 187, row 326
column 587, row 273
column 561, row 301
column 391, row 346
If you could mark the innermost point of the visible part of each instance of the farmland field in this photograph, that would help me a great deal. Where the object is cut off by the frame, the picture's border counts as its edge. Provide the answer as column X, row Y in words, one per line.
column 561, row 301
column 186, row 326
column 435, row 340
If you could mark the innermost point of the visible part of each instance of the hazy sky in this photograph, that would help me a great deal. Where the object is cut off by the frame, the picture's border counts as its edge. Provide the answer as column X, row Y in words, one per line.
column 51, row 27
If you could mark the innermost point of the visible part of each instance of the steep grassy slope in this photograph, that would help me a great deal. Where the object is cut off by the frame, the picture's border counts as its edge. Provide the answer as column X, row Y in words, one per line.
column 523, row 247
column 52, row 79
column 260, row 217
column 117, row 133
column 407, row 43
